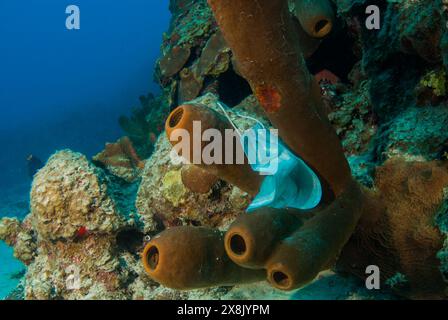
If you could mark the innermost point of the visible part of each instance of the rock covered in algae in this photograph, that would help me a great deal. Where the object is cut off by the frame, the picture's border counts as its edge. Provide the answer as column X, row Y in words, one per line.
column 352, row 117
column 76, row 270
column 417, row 133
column 70, row 239
column 70, row 194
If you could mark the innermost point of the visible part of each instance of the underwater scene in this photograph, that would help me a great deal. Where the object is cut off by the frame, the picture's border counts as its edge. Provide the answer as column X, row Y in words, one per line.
column 224, row 150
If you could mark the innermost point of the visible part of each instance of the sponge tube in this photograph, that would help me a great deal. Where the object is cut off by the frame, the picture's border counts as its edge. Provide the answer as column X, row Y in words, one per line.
column 236, row 173
column 251, row 239
column 301, row 256
column 188, row 258
column 315, row 16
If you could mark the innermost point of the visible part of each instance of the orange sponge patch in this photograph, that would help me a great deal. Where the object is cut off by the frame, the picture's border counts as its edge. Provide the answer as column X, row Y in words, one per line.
column 269, row 97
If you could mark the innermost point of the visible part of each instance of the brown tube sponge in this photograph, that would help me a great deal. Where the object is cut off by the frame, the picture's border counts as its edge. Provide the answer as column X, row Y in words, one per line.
column 315, row 16
column 293, row 247
column 198, row 180
column 251, row 239
column 263, row 40
column 265, row 43
column 300, row 257
column 308, row 44
column 187, row 258
column 240, row 175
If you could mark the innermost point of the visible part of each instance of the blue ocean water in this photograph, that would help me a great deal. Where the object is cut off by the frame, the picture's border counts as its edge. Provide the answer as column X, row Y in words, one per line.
column 63, row 88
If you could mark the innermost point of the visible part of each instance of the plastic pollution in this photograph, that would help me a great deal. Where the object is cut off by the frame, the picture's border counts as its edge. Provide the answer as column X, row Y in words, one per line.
column 289, row 181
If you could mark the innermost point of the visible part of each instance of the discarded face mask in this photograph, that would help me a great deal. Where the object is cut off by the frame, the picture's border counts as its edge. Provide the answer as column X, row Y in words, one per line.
column 289, row 181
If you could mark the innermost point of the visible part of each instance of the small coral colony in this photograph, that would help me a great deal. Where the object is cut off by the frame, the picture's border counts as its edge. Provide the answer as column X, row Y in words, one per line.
column 357, row 172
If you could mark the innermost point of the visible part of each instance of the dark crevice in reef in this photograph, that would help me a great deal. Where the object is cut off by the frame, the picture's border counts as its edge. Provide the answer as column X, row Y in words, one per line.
column 195, row 53
column 335, row 54
column 233, row 88
column 396, row 74
column 124, row 195
column 130, row 240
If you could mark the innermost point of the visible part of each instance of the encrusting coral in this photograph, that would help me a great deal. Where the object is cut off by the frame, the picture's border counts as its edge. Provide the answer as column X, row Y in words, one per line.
column 19, row 236
column 403, row 237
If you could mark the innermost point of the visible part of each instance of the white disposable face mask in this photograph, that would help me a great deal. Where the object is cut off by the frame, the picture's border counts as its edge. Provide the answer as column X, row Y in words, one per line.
column 289, row 181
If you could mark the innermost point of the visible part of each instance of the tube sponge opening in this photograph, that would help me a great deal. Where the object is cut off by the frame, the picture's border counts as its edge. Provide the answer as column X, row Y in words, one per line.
column 188, row 258
column 237, row 244
column 151, row 255
column 184, row 119
column 315, row 16
column 251, row 239
column 282, row 280
column 175, row 117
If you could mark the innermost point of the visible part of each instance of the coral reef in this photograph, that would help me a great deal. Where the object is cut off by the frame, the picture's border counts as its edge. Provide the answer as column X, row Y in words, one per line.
column 208, row 67
column 381, row 156
column 72, row 231
column 417, row 132
column 350, row 113
column 145, row 123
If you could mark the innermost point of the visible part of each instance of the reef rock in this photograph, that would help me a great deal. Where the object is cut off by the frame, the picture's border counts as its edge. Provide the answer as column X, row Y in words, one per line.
column 71, row 240
column 417, row 133
column 69, row 195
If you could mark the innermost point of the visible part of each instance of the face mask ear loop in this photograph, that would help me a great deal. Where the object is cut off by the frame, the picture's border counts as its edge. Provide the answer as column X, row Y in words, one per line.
column 251, row 118
column 239, row 115
column 226, row 113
